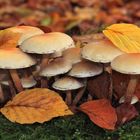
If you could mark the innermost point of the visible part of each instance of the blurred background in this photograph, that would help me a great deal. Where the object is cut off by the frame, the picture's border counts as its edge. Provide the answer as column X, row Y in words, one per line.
column 72, row 16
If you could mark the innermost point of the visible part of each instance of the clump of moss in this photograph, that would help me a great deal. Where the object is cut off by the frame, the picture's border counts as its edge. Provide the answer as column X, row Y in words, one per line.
column 77, row 127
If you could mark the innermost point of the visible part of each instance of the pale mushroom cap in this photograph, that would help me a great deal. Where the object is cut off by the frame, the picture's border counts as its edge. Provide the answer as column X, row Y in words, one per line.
column 15, row 59
column 26, row 82
column 56, row 54
column 26, row 32
column 85, row 69
column 56, row 67
column 47, row 43
column 127, row 63
column 67, row 83
column 134, row 100
column 102, row 51
column 72, row 55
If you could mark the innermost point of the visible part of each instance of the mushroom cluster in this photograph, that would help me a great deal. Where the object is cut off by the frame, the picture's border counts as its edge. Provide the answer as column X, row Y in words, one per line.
column 53, row 60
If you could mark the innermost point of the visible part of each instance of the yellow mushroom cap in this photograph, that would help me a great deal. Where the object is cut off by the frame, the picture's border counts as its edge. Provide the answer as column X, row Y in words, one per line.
column 26, row 32
column 14, row 58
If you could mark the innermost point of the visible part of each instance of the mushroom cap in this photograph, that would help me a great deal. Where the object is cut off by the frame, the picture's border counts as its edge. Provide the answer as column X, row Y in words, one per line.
column 56, row 54
column 26, row 32
column 14, row 58
column 134, row 99
column 72, row 55
column 47, row 43
column 85, row 69
column 56, row 67
column 26, row 82
column 102, row 51
column 127, row 63
column 67, row 83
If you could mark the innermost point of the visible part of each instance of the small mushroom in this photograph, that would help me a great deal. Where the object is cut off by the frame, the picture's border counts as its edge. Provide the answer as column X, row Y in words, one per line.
column 55, row 68
column 27, row 82
column 26, row 32
column 128, row 64
column 13, row 59
column 72, row 55
column 67, row 84
column 84, row 69
column 134, row 99
column 102, row 51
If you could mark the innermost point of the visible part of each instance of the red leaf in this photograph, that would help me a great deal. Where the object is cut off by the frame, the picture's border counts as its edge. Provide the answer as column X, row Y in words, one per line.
column 101, row 113
column 125, row 113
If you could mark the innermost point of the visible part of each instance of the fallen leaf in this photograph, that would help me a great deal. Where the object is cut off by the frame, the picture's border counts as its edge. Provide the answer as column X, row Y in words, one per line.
column 94, row 86
column 101, row 113
column 125, row 113
column 124, row 36
column 120, row 83
column 35, row 105
column 8, row 39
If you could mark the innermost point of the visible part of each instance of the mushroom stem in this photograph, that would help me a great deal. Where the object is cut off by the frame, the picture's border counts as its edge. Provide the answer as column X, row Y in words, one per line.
column 131, row 88
column 108, row 69
column 44, row 83
column 1, row 94
column 12, row 89
column 68, row 98
column 44, row 61
column 79, row 96
column 16, row 80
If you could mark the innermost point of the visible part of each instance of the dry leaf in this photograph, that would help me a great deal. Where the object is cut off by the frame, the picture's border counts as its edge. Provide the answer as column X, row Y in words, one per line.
column 94, row 86
column 125, row 113
column 8, row 39
column 101, row 113
column 35, row 105
column 124, row 36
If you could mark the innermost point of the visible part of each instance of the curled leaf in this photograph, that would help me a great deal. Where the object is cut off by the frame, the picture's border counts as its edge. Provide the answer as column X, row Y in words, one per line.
column 125, row 113
column 101, row 113
column 124, row 36
column 35, row 105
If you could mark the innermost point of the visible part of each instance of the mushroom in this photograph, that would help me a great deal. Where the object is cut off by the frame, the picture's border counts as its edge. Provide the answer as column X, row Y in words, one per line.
column 102, row 51
column 134, row 99
column 47, row 44
column 84, row 69
column 67, row 84
column 13, row 59
column 27, row 82
column 72, row 55
column 55, row 68
column 128, row 64
column 26, row 32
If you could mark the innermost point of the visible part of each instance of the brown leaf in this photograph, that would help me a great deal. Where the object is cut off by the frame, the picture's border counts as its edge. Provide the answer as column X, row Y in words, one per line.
column 120, row 83
column 35, row 105
column 125, row 113
column 94, row 86
column 101, row 113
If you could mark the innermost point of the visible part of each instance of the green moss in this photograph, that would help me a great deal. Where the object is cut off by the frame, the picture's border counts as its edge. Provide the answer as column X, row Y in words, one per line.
column 77, row 127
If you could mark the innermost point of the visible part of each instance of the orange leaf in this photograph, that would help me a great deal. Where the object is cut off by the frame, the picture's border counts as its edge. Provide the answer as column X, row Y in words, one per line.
column 124, row 36
column 8, row 39
column 101, row 113
column 35, row 105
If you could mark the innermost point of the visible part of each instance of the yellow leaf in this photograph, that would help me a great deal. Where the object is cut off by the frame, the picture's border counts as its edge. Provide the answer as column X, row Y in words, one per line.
column 8, row 39
column 35, row 105
column 124, row 36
